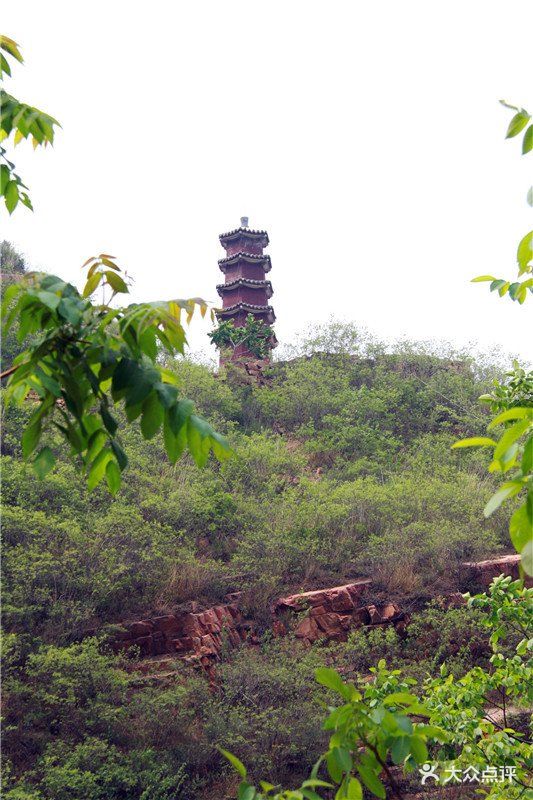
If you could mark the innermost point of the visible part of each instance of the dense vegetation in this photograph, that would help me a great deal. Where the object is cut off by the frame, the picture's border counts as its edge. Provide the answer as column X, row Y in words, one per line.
column 342, row 467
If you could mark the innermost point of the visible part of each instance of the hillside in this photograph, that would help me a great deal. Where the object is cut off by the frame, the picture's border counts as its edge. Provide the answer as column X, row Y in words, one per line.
column 342, row 470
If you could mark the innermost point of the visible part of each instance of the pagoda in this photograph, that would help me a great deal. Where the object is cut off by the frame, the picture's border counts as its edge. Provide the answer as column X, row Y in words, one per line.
column 245, row 289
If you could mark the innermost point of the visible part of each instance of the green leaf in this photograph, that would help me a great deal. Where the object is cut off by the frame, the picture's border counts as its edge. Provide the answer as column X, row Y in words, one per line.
column 234, row 761
column 331, row 679
column 109, row 421
column 97, row 442
column 482, row 278
column 168, row 394
column 120, row 455
column 354, row 790
column 527, row 457
column 98, row 468
column 69, row 310
column 126, row 373
column 314, row 782
column 400, row 749
column 399, row 697
column 517, row 124
column 343, row 758
column 520, row 528
column 508, row 489
column 476, row 441
column 92, row 284
column 4, row 178
column 371, row 781
column 510, row 436
column 527, row 142
column 49, row 383
column 43, row 463
column 527, row 558
column 178, row 415
column 112, row 474
column 334, row 768
column 174, row 443
column 11, row 196
column 30, row 438
column 419, row 750
column 246, row 791
column 309, row 794
column 404, row 723
column 529, row 196
column 152, row 416
column 49, row 299
column 518, row 412
column 524, row 253
column 116, row 282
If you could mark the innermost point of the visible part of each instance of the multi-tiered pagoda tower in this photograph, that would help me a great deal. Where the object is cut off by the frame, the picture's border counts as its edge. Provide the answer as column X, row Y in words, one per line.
column 245, row 289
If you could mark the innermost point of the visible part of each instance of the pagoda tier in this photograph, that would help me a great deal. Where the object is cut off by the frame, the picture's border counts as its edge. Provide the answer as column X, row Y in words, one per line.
column 245, row 289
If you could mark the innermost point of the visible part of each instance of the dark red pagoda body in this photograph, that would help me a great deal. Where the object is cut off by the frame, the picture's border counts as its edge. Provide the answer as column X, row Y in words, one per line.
column 245, row 289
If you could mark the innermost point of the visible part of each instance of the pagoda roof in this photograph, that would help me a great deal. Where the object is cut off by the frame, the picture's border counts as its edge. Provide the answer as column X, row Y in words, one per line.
column 251, row 257
column 251, row 283
column 233, row 310
column 249, row 232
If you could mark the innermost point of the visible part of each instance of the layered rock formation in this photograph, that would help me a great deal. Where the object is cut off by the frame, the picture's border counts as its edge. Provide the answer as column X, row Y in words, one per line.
column 196, row 637
column 328, row 614
column 484, row 572
column 333, row 612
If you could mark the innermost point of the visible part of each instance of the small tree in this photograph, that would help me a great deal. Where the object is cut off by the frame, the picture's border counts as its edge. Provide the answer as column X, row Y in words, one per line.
column 84, row 359
column 255, row 335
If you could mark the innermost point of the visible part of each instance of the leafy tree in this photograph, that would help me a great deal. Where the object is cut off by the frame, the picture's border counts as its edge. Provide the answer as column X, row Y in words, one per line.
column 23, row 122
column 513, row 451
column 518, row 290
column 11, row 262
column 254, row 334
column 85, row 359
column 373, row 727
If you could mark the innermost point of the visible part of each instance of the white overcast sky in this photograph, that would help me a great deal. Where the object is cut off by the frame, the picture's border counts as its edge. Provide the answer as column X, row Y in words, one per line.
column 365, row 137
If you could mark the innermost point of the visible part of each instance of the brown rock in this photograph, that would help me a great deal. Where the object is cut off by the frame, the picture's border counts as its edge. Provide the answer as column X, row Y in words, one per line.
column 486, row 571
column 340, row 600
column 323, row 596
column 307, row 629
column 361, row 616
column 191, row 625
column 168, row 623
column 145, row 645
column 373, row 614
column 140, row 629
column 159, row 644
column 388, row 612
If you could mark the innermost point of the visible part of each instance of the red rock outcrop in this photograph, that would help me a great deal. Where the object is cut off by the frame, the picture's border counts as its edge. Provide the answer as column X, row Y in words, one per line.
column 198, row 636
column 333, row 612
column 484, row 572
column 192, row 636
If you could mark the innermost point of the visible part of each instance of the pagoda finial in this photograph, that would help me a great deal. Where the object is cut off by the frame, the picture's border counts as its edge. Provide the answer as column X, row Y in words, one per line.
column 244, row 222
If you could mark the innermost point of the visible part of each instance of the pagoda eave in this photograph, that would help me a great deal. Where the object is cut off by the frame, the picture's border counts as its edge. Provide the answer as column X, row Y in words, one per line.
column 248, row 308
column 248, row 233
column 236, row 258
column 249, row 283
